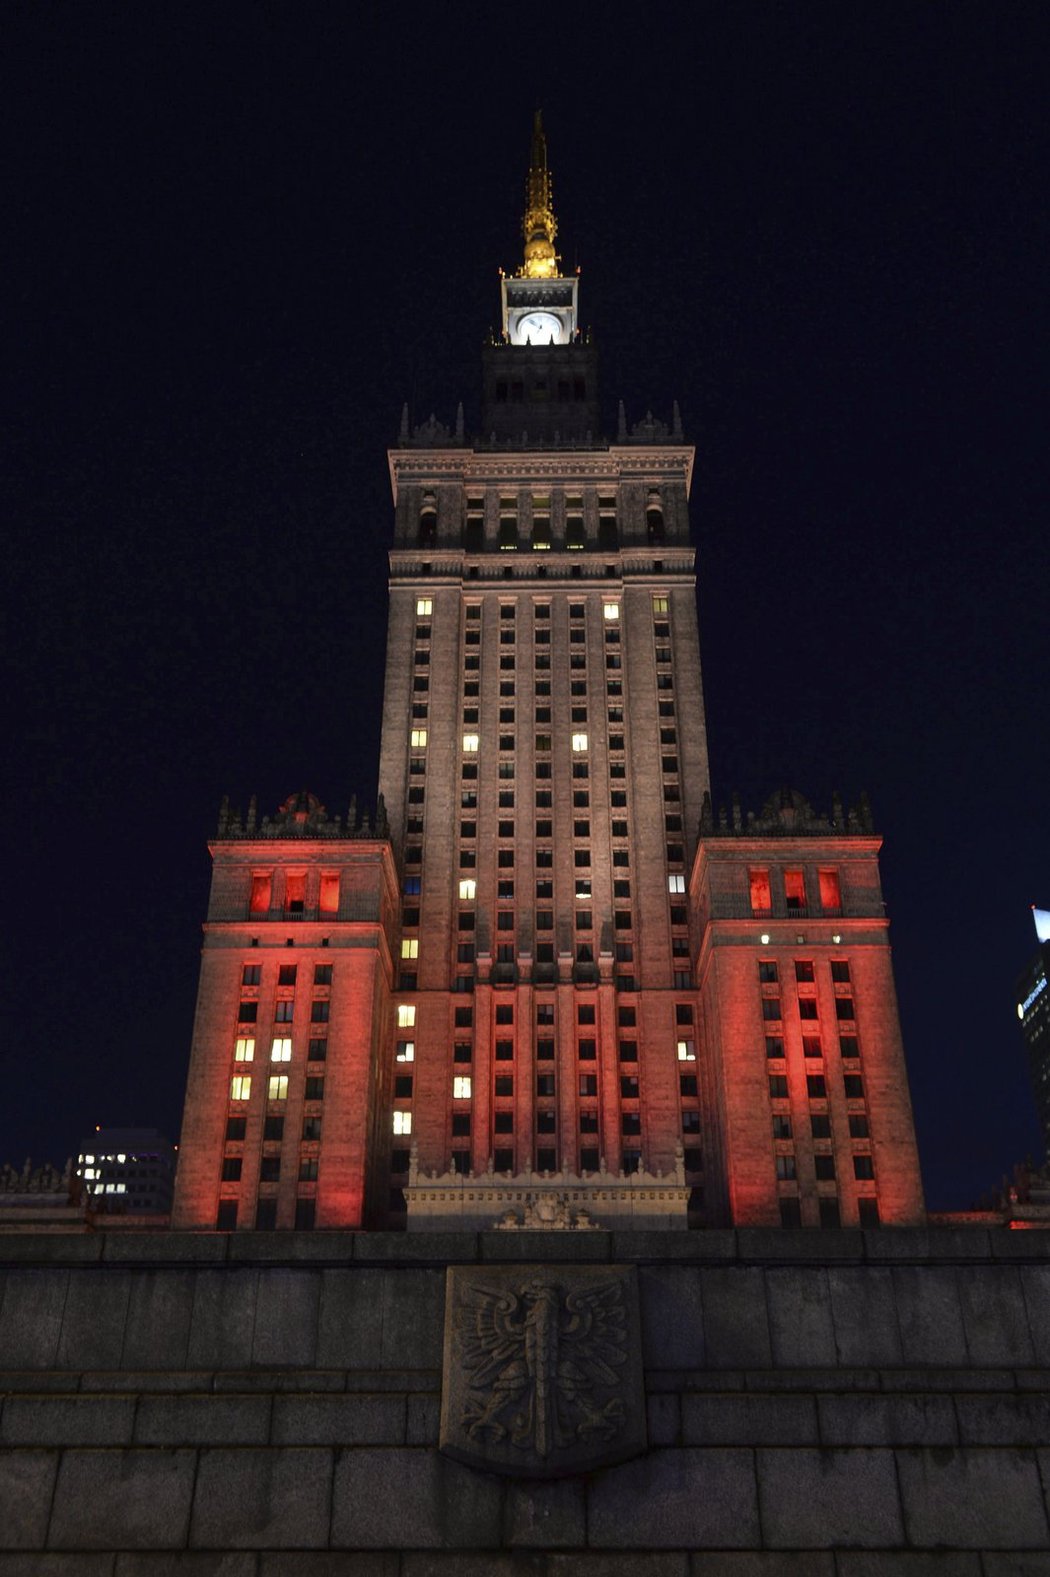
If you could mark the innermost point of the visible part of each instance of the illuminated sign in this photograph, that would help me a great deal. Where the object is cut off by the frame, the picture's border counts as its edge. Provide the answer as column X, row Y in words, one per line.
column 1042, row 923
column 1036, row 991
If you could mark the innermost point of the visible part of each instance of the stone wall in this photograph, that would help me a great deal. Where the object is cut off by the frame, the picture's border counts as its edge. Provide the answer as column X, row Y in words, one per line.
column 828, row 1403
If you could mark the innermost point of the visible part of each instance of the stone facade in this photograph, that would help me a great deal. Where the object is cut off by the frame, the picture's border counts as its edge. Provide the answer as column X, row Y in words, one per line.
column 839, row 1403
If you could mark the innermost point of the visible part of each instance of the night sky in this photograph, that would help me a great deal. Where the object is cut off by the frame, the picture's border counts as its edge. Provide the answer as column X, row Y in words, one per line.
column 239, row 237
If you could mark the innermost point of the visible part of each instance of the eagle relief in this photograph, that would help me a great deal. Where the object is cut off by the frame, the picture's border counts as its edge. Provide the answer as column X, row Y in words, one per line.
column 542, row 1373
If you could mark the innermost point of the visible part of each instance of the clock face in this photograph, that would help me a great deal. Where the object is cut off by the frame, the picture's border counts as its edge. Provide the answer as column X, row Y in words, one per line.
column 538, row 328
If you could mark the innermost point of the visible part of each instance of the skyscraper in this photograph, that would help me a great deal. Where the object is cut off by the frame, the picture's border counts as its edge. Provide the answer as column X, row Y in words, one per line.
column 581, row 990
column 1033, row 1011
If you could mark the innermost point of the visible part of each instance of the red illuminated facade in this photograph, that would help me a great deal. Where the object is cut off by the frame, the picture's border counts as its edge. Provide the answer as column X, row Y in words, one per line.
column 575, row 972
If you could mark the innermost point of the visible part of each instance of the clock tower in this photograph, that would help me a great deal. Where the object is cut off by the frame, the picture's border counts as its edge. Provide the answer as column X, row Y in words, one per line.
column 540, row 374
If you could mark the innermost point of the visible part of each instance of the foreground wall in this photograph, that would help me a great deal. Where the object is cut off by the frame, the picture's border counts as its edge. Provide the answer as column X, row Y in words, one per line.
column 235, row 1405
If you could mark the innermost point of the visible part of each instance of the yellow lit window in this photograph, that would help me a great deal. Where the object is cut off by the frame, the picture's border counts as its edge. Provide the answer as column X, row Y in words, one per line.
column 406, row 1015
column 406, row 1051
column 579, row 741
column 281, row 1050
column 659, row 604
column 402, row 1122
column 410, row 947
column 278, row 1087
column 470, row 744
column 686, row 1051
column 461, row 1087
column 240, row 1087
column 611, row 610
column 244, row 1051
column 419, row 738
column 424, row 607
column 468, row 887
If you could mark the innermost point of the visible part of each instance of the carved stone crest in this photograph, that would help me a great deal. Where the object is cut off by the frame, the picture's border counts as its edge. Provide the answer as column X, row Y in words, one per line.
column 543, row 1373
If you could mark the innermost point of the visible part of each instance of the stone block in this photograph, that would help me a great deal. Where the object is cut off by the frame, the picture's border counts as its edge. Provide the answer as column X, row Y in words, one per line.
column 748, row 1420
column 494, row 1563
column 416, row 1248
column 27, row 1481
column 358, row 1420
column 296, row 1249
column 713, row 1245
column 350, row 1321
column 663, row 1418
column 1003, row 1420
column 262, row 1499
column 822, row 1247
column 820, row 1499
column 1016, row 1563
column 160, row 1310
column 800, row 1316
column 128, row 1381
column 930, row 1315
column 286, row 1318
column 31, row 1318
column 815, row 1379
column 539, row 1516
column 973, row 1498
column 51, row 1248
column 223, row 1319
column 93, row 1319
column 887, row 1420
column 1035, row 1288
column 202, row 1420
column 545, row 1247
column 38, row 1565
column 319, row 1563
column 736, row 1319
column 187, row 1563
column 676, row 1500
column 904, row 1563
column 994, row 1315
column 163, row 1249
column 672, row 1316
column 67, row 1421
column 864, row 1314
column 761, row 1563
column 424, row 1420
column 129, row 1500
column 382, row 1492
column 413, row 1306
column 669, row 1563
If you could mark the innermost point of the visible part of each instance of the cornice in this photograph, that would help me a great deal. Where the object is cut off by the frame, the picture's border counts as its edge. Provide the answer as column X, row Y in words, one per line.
column 619, row 462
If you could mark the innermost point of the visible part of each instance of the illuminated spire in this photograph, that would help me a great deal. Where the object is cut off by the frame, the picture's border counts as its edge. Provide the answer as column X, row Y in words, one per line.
column 539, row 227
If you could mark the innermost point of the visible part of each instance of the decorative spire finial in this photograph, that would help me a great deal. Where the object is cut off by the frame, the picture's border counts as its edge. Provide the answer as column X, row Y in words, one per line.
column 539, row 226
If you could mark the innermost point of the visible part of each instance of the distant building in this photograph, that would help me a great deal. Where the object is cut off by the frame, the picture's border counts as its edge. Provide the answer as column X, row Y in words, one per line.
column 1033, row 1010
column 127, row 1171
column 41, row 1199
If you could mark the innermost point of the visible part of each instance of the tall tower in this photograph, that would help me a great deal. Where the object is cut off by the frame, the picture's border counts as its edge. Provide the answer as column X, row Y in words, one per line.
column 544, row 764
column 561, row 989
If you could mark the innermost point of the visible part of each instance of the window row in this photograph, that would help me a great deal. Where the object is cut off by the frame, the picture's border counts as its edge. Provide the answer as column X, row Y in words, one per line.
column 816, row 1086
column 251, row 974
column 276, row 1087
column 284, row 1011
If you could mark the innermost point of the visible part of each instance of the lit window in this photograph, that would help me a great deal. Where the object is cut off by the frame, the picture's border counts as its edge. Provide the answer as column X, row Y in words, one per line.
column 686, row 1051
column 424, row 607
column 240, row 1087
column 676, row 883
column 406, row 1051
column 410, row 947
column 611, row 610
column 659, row 604
column 244, row 1051
column 278, row 1087
column 468, row 888
column 402, row 1122
column 470, row 744
column 579, row 741
column 406, row 1015
column 281, row 1050
column 461, row 1087
column 419, row 737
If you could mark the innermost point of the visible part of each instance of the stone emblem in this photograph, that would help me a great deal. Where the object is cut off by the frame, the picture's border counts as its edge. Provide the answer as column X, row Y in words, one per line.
column 543, row 1373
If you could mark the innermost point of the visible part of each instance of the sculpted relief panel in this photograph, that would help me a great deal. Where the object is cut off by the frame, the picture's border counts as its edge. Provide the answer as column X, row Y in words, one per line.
column 542, row 1371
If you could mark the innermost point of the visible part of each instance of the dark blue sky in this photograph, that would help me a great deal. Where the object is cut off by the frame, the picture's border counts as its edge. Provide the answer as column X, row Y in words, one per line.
column 240, row 236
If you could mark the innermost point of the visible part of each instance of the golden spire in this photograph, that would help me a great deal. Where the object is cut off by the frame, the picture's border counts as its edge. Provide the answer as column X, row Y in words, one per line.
column 539, row 227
